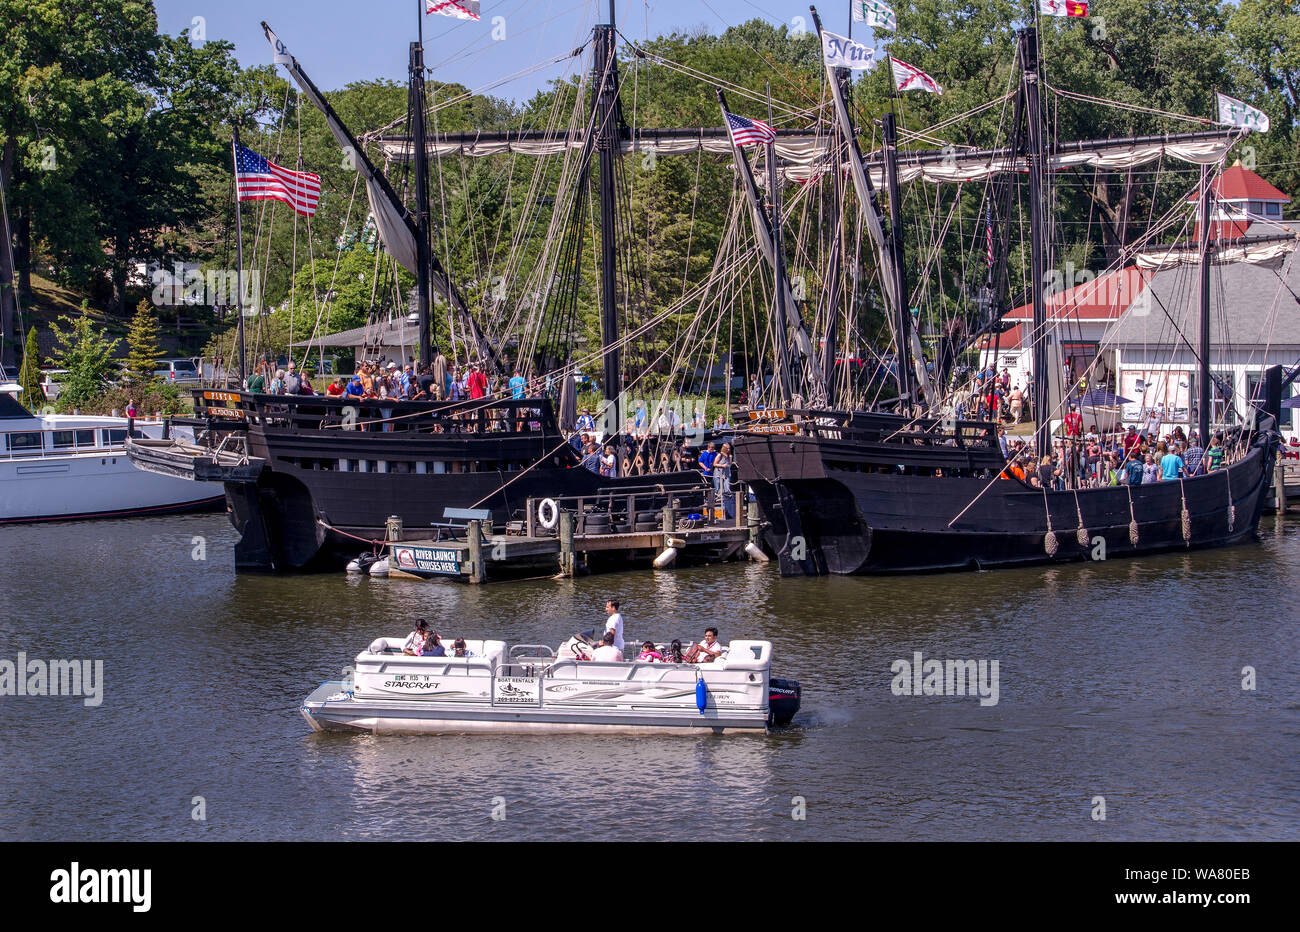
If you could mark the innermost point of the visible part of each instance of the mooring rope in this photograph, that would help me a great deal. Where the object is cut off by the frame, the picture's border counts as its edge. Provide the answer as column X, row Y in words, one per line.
column 1050, row 543
column 1186, row 515
column 1132, row 518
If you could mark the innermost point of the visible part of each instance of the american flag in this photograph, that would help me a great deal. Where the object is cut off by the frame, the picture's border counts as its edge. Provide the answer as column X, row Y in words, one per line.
column 257, row 179
column 749, row 132
column 461, row 9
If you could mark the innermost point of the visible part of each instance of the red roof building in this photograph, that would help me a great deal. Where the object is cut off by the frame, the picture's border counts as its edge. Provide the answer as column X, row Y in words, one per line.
column 1241, row 198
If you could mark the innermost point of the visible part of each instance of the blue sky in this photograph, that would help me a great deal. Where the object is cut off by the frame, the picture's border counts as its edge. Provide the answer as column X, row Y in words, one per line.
column 338, row 41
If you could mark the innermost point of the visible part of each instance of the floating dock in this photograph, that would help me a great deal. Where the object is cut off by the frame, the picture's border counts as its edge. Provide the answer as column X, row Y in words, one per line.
column 562, row 537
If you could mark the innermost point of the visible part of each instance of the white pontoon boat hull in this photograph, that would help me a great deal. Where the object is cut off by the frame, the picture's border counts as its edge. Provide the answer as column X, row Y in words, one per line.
column 491, row 692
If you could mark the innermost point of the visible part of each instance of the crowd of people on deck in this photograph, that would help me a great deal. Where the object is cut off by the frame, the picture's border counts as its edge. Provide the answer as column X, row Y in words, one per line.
column 1094, row 460
column 424, row 641
column 438, row 380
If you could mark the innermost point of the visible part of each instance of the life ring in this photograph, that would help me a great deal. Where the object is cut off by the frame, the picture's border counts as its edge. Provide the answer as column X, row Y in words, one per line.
column 548, row 513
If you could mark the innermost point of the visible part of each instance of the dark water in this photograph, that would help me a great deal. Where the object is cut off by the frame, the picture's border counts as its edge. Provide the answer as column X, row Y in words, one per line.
column 1120, row 680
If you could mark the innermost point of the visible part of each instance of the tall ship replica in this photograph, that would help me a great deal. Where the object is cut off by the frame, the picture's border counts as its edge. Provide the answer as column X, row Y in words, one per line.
column 859, row 460
column 310, row 480
column 917, row 488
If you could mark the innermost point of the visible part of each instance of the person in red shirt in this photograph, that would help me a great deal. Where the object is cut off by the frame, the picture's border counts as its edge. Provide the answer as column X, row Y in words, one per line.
column 1132, row 440
column 1074, row 423
column 335, row 388
column 478, row 383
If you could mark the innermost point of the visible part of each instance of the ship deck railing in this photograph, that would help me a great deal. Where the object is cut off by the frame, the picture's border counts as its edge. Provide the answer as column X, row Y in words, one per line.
column 624, row 509
column 870, row 427
column 495, row 417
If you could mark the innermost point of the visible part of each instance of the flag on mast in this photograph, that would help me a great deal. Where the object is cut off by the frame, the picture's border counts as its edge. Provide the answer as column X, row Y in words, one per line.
column 461, row 9
column 840, row 52
column 259, row 179
column 279, row 51
column 1239, row 113
column 1063, row 7
column 875, row 13
column 749, row 132
column 910, row 78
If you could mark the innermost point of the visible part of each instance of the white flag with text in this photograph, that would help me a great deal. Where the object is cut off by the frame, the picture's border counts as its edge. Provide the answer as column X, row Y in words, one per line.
column 875, row 13
column 1238, row 113
column 838, row 51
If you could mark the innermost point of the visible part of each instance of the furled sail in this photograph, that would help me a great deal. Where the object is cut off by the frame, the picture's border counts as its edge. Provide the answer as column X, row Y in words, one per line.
column 392, row 219
column 395, row 228
column 1266, row 254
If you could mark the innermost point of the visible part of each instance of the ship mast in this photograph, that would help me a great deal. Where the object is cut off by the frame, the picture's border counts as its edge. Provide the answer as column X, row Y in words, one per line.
column 608, row 123
column 422, row 277
column 1037, row 209
column 1203, row 376
column 9, row 335
column 902, row 313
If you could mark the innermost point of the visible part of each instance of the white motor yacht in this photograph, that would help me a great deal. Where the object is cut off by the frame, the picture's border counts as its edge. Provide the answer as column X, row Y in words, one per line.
column 532, row 688
column 58, row 467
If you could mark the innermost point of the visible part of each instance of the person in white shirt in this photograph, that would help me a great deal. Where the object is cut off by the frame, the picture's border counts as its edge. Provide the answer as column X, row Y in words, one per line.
column 614, row 623
column 415, row 640
column 607, row 651
column 708, row 650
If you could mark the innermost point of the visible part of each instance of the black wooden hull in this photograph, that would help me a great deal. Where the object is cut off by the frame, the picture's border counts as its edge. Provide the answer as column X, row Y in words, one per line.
column 296, row 519
column 326, row 488
column 830, row 515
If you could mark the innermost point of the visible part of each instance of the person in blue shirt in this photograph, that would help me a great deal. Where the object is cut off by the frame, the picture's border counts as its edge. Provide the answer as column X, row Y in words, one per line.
column 706, row 460
column 1171, row 465
column 517, row 385
column 355, row 389
column 1133, row 471
column 586, row 421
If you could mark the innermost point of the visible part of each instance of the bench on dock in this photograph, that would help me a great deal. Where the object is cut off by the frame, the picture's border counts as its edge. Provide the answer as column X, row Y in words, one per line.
column 458, row 519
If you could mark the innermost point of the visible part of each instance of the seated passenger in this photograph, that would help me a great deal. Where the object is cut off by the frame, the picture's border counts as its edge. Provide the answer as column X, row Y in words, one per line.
column 674, row 652
column 649, row 654
column 433, row 646
column 415, row 640
column 707, row 650
column 607, row 651
column 458, row 648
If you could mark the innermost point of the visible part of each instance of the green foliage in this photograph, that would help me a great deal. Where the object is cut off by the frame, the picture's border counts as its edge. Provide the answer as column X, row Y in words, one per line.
column 87, row 353
column 150, row 398
column 139, row 127
column 29, row 376
column 143, row 349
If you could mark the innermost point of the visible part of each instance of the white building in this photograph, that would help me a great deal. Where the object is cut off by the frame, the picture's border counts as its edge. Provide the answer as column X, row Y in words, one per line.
column 1134, row 332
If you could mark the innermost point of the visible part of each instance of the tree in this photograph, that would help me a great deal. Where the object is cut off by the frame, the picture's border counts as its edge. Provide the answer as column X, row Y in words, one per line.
column 87, row 353
column 143, row 351
column 29, row 377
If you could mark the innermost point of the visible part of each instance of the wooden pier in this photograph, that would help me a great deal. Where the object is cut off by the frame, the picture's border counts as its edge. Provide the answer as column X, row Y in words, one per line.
column 571, row 536
column 1286, row 482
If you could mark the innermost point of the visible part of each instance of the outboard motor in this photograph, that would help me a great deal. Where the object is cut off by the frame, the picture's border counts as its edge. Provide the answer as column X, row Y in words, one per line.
column 782, row 700
column 363, row 563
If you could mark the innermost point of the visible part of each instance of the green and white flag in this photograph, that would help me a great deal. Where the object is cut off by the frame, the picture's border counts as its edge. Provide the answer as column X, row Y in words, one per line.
column 1237, row 113
column 875, row 13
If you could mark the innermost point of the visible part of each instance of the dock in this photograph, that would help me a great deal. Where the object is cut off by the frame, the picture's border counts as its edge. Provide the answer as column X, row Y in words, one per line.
column 568, row 537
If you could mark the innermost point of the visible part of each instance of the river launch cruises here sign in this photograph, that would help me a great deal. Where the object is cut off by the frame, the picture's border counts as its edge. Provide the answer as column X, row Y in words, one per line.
column 441, row 561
